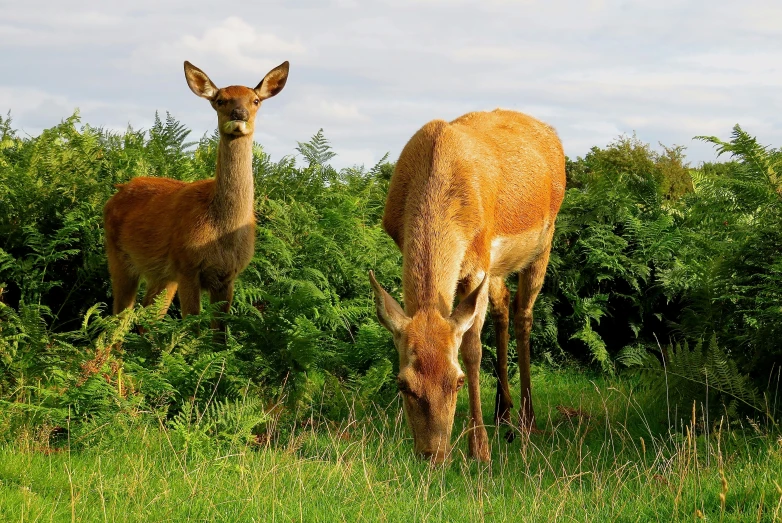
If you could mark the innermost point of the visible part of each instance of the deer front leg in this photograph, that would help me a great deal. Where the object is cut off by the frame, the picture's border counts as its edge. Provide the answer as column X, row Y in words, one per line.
column 154, row 289
column 190, row 295
column 124, row 283
column 523, row 325
column 471, row 355
column 478, row 439
column 152, row 292
column 222, row 293
column 499, row 297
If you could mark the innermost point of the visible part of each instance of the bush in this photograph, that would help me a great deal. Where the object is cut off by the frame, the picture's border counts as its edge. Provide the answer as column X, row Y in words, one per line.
column 302, row 308
column 650, row 258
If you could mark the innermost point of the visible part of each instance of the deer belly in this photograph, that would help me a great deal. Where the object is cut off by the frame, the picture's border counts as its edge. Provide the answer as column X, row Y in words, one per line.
column 512, row 253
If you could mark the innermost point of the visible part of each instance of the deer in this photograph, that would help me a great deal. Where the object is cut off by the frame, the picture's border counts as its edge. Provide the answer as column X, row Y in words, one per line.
column 188, row 237
column 470, row 202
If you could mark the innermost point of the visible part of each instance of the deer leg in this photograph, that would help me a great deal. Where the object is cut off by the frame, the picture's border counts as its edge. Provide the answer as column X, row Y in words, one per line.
column 478, row 439
column 222, row 293
column 530, row 283
column 190, row 295
column 124, row 284
column 154, row 289
column 499, row 298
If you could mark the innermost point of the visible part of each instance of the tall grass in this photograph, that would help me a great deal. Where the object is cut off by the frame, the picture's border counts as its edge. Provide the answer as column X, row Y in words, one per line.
column 601, row 455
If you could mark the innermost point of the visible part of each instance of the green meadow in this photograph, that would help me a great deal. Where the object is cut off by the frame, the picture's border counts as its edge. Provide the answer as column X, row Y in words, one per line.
column 601, row 455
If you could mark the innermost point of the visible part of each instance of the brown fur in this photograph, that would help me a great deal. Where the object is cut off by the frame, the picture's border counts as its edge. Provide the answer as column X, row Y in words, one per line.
column 470, row 201
column 191, row 236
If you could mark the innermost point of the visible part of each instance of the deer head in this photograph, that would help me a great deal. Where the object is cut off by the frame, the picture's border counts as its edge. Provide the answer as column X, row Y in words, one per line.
column 236, row 105
column 429, row 373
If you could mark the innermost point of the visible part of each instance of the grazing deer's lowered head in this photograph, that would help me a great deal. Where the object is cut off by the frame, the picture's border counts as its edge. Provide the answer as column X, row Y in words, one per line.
column 186, row 237
column 429, row 373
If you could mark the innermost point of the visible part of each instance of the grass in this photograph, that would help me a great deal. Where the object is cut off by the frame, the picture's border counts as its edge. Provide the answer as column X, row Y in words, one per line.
column 603, row 455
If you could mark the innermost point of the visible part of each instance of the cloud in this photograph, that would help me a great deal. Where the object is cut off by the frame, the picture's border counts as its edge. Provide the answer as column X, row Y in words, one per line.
column 237, row 42
column 33, row 110
column 327, row 111
column 58, row 26
column 233, row 43
column 358, row 157
column 487, row 54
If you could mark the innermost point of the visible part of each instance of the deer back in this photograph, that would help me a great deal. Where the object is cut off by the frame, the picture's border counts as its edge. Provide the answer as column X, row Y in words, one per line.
column 477, row 194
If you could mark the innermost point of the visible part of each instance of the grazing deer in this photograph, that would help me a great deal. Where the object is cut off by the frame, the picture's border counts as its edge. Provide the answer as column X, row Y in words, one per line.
column 191, row 236
column 470, row 201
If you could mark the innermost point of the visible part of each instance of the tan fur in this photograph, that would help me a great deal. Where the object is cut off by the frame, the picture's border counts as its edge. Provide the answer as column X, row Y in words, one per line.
column 470, row 201
column 191, row 236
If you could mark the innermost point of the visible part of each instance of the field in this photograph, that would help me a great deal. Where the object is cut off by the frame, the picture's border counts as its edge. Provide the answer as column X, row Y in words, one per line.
column 656, row 357
column 599, row 457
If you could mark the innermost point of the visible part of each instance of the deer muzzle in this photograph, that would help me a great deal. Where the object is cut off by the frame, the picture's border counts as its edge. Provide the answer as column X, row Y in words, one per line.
column 236, row 127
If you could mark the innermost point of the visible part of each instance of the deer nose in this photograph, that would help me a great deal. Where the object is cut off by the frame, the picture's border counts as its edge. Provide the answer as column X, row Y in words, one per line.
column 240, row 113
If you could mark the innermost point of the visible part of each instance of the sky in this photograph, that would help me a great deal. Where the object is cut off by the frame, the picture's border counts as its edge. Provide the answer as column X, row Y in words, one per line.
column 370, row 73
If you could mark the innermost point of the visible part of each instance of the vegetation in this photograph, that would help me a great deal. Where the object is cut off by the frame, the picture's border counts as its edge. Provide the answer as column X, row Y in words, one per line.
column 603, row 458
column 664, row 283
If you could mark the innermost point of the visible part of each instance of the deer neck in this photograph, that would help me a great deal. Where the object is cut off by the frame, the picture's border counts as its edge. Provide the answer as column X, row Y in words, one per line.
column 434, row 249
column 232, row 206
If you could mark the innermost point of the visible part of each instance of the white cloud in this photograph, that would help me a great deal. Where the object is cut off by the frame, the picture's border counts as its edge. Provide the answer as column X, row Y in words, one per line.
column 358, row 157
column 58, row 25
column 239, row 43
column 233, row 43
column 319, row 109
column 487, row 54
column 33, row 110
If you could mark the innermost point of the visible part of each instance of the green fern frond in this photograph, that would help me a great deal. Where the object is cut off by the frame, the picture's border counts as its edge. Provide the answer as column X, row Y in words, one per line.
column 317, row 151
column 706, row 374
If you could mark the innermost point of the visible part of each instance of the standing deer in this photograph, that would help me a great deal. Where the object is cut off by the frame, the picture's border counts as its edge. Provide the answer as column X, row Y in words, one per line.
column 191, row 236
column 470, row 201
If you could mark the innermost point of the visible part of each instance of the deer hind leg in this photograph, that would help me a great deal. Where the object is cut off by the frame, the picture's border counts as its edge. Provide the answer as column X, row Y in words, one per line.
column 124, row 283
column 530, row 283
column 499, row 298
column 478, row 439
column 154, row 289
column 221, row 293
column 189, row 295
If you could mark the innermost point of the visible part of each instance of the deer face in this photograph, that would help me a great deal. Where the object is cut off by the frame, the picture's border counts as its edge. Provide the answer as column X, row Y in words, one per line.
column 236, row 106
column 429, row 379
column 429, row 373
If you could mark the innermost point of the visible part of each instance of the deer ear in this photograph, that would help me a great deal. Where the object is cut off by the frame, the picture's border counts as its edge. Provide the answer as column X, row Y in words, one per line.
column 273, row 82
column 389, row 312
column 199, row 83
column 465, row 313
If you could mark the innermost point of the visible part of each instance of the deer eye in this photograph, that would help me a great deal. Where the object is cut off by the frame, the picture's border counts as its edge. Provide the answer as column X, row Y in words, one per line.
column 256, row 101
column 460, row 383
column 220, row 102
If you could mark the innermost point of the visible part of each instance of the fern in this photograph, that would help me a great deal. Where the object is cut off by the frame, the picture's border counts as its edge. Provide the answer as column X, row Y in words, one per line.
column 644, row 247
column 597, row 346
column 758, row 157
column 317, row 151
column 706, row 374
column 201, row 431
